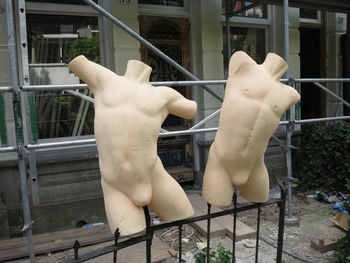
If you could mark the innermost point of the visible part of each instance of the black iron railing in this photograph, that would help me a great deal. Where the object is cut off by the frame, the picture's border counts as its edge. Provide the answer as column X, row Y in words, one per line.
column 148, row 236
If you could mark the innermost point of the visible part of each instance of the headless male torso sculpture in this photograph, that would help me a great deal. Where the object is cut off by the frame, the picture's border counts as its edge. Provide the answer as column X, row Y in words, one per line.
column 253, row 105
column 129, row 113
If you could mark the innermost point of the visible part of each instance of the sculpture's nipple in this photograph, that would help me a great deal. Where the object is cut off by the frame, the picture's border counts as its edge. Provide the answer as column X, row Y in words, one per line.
column 138, row 71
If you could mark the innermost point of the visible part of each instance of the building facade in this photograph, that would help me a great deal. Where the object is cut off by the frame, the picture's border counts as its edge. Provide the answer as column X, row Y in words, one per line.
column 194, row 34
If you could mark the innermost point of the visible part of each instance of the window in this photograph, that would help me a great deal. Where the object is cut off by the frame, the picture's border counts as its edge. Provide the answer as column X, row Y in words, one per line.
column 250, row 40
column 53, row 40
column 258, row 11
column 49, row 36
column 310, row 16
column 308, row 13
column 163, row 2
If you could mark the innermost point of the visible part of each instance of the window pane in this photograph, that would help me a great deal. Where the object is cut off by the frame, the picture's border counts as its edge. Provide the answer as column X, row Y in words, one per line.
column 46, row 51
column 259, row 11
column 68, row 2
column 308, row 13
column 250, row 40
column 163, row 2
column 52, row 42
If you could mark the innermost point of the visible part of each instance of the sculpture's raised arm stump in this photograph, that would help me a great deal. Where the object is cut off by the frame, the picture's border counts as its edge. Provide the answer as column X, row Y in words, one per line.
column 129, row 113
column 253, row 105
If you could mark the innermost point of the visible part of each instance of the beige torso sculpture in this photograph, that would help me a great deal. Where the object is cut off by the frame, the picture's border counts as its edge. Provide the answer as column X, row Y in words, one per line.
column 253, row 105
column 129, row 113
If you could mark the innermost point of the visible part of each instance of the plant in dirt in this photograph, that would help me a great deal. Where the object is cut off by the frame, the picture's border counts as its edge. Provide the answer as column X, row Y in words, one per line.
column 323, row 158
column 224, row 256
column 342, row 248
column 221, row 255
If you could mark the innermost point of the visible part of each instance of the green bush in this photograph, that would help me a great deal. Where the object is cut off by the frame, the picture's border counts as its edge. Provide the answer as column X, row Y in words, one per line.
column 89, row 47
column 323, row 158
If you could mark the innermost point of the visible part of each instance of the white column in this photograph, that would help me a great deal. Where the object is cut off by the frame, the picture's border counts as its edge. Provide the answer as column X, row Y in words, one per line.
column 336, row 26
column 125, row 46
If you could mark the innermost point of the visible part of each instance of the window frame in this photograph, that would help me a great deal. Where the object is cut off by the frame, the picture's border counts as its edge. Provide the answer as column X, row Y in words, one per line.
column 40, row 8
column 164, row 10
column 317, row 21
column 249, row 22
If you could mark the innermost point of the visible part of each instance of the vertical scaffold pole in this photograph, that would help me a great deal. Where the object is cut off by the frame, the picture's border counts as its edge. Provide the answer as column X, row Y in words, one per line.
column 290, row 126
column 286, row 34
column 28, row 111
column 289, row 132
column 19, row 126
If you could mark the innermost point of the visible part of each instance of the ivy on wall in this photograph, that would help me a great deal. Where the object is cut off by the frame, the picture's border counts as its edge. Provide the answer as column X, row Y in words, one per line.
column 323, row 158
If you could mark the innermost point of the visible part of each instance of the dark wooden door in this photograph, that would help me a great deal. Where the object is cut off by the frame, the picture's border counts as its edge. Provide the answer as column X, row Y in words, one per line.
column 171, row 36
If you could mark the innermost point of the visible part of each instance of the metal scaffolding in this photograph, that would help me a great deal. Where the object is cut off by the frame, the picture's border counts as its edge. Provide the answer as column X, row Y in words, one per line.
column 26, row 145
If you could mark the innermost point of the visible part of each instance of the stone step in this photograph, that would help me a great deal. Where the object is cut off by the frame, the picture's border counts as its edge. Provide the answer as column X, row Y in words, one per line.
column 219, row 226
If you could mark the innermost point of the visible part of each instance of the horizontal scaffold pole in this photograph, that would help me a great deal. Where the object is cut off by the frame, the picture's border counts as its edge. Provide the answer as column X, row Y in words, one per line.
column 150, row 46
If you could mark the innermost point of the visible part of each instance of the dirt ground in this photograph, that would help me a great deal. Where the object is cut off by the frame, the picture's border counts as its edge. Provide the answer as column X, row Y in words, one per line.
column 315, row 224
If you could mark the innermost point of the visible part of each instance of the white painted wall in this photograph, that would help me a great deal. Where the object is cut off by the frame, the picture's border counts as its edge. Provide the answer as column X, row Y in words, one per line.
column 336, row 26
column 277, row 37
column 207, row 59
column 125, row 46
column 277, row 44
column 51, row 74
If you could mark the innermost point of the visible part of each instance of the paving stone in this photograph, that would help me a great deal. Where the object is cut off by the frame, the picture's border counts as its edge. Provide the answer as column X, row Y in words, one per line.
column 219, row 226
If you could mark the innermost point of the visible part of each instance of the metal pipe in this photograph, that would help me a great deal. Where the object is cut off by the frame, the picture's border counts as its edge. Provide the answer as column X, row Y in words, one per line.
column 257, row 236
column 282, row 206
column 8, row 149
column 93, row 141
column 54, row 87
column 189, row 83
column 149, row 45
column 332, row 94
column 171, row 133
column 208, row 234
column 289, row 131
column 80, row 95
column 60, row 144
column 342, row 118
column 303, row 80
column 180, row 243
column 286, row 35
column 234, row 228
column 5, row 89
column 205, row 120
column 149, row 232
column 19, row 127
column 27, row 100
column 161, row 83
column 228, row 29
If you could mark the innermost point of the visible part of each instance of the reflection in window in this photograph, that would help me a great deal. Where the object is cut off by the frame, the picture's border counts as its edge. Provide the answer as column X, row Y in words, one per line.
column 163, row 2
column 250, row 40
column 259, row 11
column 49, row 37
column 308, row 13
column 53, row 40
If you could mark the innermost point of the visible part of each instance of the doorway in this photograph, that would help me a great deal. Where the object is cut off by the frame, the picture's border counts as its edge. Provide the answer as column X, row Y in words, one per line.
column 171, row 36
column 310, row 59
